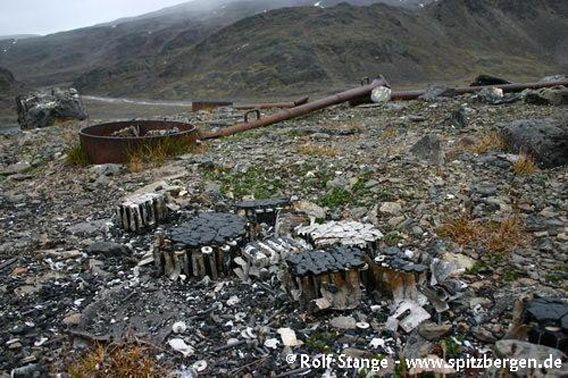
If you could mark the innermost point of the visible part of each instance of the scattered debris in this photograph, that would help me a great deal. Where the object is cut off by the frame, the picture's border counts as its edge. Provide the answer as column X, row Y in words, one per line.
column 180, row 346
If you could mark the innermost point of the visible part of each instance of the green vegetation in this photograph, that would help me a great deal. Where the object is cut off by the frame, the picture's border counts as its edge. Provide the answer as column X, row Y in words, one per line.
column 77, row 156
column 335, row 198
column 262, row 184
column 392, row 238
column 452, row 348
column 513, row 274
column 320, row 342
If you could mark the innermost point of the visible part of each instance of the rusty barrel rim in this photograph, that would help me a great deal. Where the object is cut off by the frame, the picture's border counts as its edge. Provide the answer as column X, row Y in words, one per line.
column 101, row 147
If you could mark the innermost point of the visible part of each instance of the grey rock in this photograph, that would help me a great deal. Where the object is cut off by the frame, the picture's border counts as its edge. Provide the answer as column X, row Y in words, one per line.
column 483, row 335
column 544, row 139
column 460, row 118
column 40, row 109
column 15, row 168
column 429, row 148
column 547, row 96
column 107, row 249
column 553, row 79
column 29, row 371
column 343, row 322
column 484, row 80
column 490, row 95
column 435, row 92
column 522, row 350
column 432, row 331
column 548, row 321
column 91, row 228
column 391, row 208
column 107, row 169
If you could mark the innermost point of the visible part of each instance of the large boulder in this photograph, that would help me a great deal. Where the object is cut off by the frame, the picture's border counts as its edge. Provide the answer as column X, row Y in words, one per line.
column 40, row 109
column 544, row 139
column 548, row 96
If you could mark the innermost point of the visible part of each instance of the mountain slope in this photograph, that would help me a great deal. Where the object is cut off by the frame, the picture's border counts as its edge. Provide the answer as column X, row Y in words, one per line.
column 290, row 51
column 131, row 47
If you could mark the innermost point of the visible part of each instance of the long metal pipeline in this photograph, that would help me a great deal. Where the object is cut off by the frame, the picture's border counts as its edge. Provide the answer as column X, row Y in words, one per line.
column 298, row 111
column 357, row 95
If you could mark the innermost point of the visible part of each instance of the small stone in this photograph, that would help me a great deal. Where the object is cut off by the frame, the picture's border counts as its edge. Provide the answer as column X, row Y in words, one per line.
column 179, row 327
column 392, row 208
column 16, row 168
column 180, row 346
column 483, row 335
column 432, row 331
column 107, row 249
column 200, row 366
column 343, row 322
column 289, row 337
column 429, row 148
column 72, row 319
column 233, row 301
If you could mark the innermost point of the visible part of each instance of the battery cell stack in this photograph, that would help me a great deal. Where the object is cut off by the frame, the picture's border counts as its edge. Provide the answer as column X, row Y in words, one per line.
column 204, row 246
column 262, row 212
column 140, row 212
column 329, row 278
column 347, row 233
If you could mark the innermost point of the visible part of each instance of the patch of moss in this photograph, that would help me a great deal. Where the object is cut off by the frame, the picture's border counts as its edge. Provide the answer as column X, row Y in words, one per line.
column 255, row 182
column 513, row 274
column 392, row 238
column 452, row 348
column 320, row 342
column 335, row 198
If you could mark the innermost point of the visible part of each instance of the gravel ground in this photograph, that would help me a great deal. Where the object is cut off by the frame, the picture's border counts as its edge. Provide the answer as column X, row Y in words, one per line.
column 59, row 296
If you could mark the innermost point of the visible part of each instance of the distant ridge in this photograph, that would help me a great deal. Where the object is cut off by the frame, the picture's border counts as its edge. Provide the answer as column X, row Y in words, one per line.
column 221, row 50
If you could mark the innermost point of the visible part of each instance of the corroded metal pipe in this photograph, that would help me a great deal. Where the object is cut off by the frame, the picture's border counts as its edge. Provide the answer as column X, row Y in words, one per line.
column 507, row 88
column 273, row 105
column 297, row 111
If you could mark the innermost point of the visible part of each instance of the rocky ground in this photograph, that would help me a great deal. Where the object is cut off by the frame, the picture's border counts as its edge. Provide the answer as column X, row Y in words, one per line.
column 458, row 194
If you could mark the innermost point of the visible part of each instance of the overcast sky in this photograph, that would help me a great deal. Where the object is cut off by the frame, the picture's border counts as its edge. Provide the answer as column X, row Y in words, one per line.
column 50, row 16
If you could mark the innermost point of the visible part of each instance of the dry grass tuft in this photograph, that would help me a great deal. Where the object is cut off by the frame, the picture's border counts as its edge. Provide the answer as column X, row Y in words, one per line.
column 77, row 156
column 525, row 166
column 124, row 361
column 497, row 237
column 148, row 156
column 492, row 141
column 310, row 149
